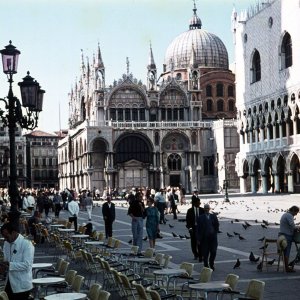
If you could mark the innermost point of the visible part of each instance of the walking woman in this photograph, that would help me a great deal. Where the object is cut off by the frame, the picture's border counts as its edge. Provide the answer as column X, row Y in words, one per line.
column 152, row 222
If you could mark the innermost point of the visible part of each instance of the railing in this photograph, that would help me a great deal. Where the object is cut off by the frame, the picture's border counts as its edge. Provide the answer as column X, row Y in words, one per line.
column 147, row 124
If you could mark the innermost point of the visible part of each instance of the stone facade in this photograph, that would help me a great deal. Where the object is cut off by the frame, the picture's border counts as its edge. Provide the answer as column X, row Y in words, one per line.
column 42, row 164
column 4, row 157
column 268, row 95
column 165, row 132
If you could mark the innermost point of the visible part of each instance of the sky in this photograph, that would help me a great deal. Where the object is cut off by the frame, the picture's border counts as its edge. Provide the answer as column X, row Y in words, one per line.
column 51, row 33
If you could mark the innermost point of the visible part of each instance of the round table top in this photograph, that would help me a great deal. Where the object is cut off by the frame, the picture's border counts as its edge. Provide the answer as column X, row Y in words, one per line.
column 47, row 280
column 66, row 296
column 41, row 265
column 80, row 236
column 169, row 271
column 66, row 229
column 141, row 259
column 208, row 286
column 94, row 243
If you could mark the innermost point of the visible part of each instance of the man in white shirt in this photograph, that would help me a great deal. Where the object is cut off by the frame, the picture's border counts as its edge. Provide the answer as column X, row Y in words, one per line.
column 73, row 209
column 18, row 259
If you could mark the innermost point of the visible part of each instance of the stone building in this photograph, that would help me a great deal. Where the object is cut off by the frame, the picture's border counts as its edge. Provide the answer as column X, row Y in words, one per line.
column 4, row 157
column 41, row 158
column 268, row 96
column 169, row 131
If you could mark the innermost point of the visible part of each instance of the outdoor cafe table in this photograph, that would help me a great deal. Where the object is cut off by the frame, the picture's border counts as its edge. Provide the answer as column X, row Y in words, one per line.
column 206, row 287
column 44, row 281
column 80, row 237
column 66, row 296
column 37, row 266
column 56, row 226
column 168, row 273
column 139, row 261
column 66, row 231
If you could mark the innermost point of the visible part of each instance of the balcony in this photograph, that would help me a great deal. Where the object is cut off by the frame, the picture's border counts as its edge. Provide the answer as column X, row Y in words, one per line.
column 130, row 125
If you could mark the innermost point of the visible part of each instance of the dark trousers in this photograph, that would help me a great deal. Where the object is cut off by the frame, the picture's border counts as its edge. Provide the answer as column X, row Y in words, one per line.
column 174, row 208
column 57, row 209
column 161, row 209
column 209, row 250
column 73, row 219
column 108, row 228
column 15, row 296
column 196, row 248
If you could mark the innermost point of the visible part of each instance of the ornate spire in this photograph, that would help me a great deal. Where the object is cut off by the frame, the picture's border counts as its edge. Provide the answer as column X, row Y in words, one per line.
column 193, row 60
column 127, row 66
column 99, row 63
column 151, row 64
column 82, row 63
column 195, row 22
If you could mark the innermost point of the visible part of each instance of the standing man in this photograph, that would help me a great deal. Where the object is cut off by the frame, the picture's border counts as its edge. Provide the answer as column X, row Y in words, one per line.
column 89, row 205
column 192, row 216
column 136, row 212
column 287, row 229
column 109, row 215
column 73, row 209
column 18, row 259
column 57, row 199
column 161, row 205
column 207, row 231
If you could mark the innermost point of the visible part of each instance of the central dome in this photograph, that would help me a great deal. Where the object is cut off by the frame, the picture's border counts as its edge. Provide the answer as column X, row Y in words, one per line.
column 209, row 49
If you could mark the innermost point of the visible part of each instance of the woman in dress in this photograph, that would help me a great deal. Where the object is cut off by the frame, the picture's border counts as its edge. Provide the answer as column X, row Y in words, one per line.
column 152, row 222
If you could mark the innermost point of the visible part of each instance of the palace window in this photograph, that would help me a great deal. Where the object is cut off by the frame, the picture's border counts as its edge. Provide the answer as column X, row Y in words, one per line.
column 208, row 91
column 256, row 68
column 220, row 90
column 286, row 51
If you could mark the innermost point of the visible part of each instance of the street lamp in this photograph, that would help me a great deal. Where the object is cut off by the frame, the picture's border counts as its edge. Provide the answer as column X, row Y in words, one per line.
column 32, row 101
column 226, row 199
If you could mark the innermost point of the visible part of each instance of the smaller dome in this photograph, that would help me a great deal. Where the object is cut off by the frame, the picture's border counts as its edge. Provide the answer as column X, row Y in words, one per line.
column 195, row 22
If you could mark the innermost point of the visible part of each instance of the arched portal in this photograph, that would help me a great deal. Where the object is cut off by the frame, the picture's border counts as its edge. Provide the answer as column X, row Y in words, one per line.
column 133, row 158
column 295, row 173
column 98, row 155
column 256, row 184
column 281, row 175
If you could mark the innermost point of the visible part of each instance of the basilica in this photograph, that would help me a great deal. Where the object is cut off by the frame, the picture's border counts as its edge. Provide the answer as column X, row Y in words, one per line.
column 177, row 129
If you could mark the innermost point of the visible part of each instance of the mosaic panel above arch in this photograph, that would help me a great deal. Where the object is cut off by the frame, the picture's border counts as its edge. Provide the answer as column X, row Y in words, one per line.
column 175, row 142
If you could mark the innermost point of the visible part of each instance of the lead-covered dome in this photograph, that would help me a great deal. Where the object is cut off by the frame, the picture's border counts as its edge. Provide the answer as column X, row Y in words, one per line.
column 209, row 49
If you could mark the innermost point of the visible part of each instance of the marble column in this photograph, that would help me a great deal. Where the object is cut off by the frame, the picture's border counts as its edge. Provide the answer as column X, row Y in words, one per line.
column 253, row 183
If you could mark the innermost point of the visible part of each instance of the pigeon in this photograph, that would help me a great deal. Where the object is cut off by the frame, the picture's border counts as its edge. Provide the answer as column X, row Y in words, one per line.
column 245, row 226
column 187, row 237
column 252, row 258
column 229, row 235
column 181, row 236
column 171, row 226
column 130, row 242
column 271, row 262
column 264, row 247
column 256, row 221
column 265, row 222
column 259, row 266
column 237, row 264
column 261, row 239
column 263, row 226
column 277, row 223
column 236, row 220
column 174, row 234
column 231, row 221
column 241, row 238
column 236, row 233
column 145, row 238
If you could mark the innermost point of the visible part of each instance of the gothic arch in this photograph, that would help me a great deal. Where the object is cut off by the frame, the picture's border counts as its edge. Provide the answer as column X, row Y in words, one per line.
column 133, row 146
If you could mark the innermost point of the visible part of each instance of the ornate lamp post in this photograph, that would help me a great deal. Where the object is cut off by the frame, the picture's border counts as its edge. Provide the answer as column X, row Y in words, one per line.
column 32, row 101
